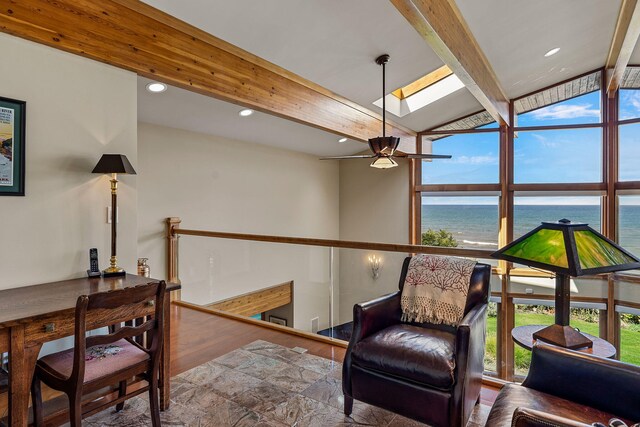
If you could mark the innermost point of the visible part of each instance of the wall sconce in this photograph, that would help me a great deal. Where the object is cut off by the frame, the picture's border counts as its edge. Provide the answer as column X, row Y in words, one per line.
column 375, row 262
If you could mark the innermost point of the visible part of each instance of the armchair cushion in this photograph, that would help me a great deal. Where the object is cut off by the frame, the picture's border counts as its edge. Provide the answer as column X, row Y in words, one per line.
column 418, row 354
column 513, row 396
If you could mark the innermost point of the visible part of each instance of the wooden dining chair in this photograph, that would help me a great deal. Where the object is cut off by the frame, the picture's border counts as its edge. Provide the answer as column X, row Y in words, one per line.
column 108, row 359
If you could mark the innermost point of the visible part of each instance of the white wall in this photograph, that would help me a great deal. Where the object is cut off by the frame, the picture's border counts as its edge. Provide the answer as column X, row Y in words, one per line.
column 77, row 110
column 374, row 207
column 224, row 185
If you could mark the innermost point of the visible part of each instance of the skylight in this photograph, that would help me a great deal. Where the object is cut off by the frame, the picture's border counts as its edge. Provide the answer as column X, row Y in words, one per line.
column 424, row 91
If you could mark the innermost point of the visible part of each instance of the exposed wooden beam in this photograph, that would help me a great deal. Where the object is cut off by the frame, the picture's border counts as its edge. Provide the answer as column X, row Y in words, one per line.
column 134, row 36
column 624, row 40
column 442, row 26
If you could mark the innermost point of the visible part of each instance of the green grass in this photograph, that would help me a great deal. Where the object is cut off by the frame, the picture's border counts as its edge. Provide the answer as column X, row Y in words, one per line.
column 629, row 339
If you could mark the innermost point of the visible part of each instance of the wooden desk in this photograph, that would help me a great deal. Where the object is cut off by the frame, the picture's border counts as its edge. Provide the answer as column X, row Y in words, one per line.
column 523, row 336
column 33, row 315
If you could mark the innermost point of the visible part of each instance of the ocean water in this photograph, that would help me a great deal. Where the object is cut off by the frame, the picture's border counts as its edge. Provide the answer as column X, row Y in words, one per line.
column 476, row 226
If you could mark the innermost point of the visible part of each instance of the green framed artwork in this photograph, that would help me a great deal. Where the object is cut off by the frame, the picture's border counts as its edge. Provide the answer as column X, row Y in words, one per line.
column 12, row 140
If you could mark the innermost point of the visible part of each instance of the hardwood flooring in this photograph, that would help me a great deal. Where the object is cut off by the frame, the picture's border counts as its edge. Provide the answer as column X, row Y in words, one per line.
column 198, row 337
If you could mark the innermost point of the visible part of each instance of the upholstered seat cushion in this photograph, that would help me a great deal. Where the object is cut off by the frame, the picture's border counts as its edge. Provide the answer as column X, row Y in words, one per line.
column 512, row 396
column 100, row 361
column 418, row 354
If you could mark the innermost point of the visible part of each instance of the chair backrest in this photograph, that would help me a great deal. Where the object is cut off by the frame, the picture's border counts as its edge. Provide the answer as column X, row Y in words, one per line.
column 478, row 284
column 119, row 304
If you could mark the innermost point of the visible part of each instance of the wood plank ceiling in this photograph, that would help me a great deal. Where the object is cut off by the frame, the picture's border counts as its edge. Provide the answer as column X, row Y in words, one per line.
column 134, row 36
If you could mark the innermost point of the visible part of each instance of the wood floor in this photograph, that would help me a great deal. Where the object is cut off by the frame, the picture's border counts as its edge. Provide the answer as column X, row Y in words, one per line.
column 198, row 337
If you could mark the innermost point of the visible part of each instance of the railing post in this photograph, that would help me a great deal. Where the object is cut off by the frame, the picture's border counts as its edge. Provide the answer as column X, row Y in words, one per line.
column 172, row 254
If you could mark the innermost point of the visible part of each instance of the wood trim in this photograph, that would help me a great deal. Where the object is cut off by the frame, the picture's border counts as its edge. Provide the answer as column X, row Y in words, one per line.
column 627, row 278
column 520, row 295
column 172, row 250
column 494, row 382
column 629, row 121
column 458, row 187
column 388, row 247
column 443, row 27
column 582, row 186
column 559, row 127
column 333, row 341
column 624, row 41
column 630, row 304
column 134, row 36
column 252, row 303
column 627, row 185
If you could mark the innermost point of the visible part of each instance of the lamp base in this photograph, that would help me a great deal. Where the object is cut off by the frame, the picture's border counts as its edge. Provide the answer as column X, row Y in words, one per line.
column 563, row 336
column 113, row 271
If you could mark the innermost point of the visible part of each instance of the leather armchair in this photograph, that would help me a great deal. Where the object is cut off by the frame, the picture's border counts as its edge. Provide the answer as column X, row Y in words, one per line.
column 572, row 388
column 431, row 373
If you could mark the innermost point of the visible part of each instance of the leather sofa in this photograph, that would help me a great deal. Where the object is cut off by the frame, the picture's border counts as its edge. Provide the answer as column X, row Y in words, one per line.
column 431, row 373
column 565, row 388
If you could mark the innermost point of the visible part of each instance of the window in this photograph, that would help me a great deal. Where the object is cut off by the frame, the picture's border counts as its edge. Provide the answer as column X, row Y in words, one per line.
column 558, row 156
column 529, row 212
column 578, row 110
column 629, row 223
column 629, row 152
column 629, row 104
column 475, row 159
column 470, row 221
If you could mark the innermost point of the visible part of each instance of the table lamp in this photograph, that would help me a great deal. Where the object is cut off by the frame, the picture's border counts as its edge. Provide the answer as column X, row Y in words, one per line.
column 114, row 164
column 567, row 249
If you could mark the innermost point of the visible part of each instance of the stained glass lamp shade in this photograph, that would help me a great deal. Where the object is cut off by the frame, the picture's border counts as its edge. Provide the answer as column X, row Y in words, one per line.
column 567, row 249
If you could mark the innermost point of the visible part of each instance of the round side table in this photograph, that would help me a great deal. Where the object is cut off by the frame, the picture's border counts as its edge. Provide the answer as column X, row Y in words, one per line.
column 523, row 336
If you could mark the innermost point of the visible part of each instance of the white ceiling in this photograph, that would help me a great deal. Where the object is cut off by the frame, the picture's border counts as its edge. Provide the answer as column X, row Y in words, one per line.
column 334, row 43
column 182, row 109
column 515, row 35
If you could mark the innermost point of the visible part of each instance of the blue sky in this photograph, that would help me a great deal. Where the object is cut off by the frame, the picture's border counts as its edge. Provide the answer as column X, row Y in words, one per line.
column 573, row 155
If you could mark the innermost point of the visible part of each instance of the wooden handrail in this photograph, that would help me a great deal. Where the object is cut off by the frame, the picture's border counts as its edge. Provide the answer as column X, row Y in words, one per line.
column 387, row 247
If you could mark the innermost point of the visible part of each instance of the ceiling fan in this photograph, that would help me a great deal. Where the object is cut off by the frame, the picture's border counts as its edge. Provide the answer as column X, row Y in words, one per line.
column 384, row 147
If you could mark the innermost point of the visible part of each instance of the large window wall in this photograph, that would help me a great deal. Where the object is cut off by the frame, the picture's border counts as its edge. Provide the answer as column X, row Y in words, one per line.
column 569, row 155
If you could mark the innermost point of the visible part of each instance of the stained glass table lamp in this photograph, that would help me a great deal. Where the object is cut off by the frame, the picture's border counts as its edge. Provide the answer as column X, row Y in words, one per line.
column 567, row 249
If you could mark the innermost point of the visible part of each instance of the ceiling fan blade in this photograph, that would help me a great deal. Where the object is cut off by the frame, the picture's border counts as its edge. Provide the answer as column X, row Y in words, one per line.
column 424, row 156
column 367, row 156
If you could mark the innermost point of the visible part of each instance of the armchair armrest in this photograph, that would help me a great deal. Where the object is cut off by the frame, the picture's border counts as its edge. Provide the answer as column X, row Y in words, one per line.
column 605, row 384
column 525, row 417
column 375, row 315
column 470, row 343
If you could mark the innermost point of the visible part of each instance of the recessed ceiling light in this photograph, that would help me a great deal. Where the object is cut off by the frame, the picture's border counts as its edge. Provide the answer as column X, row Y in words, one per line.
column 552, row 52
column 342, row 140
column 156, row 87
column 246, row 113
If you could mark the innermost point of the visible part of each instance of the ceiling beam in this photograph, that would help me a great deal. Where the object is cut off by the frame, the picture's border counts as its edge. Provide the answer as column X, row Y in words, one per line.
column 624, row 41
column 442, row 26
column 134, row 36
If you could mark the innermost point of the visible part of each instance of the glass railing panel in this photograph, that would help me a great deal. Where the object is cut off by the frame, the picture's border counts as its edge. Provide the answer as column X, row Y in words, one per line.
column 364, row 275
column 253, row 278
column 628, row 315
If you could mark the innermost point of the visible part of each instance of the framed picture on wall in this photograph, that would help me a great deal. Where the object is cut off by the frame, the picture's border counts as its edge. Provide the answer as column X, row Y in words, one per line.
column 12, row 131
column 278, row 320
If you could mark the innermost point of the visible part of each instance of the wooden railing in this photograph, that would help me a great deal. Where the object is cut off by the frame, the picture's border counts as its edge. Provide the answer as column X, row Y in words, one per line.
column 173, row 231
column 506, row 318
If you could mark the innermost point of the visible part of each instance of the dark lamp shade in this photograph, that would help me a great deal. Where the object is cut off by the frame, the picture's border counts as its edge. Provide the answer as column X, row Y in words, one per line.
column 114, row 163
column 568, row 248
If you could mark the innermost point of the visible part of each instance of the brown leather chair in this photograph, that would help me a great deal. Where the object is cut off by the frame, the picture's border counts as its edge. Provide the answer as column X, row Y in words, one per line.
column 569, row 388
column 104, row 360
column 431, row 373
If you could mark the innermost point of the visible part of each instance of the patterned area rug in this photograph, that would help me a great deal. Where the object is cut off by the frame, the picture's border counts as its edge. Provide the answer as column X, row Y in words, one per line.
column 260, row 384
